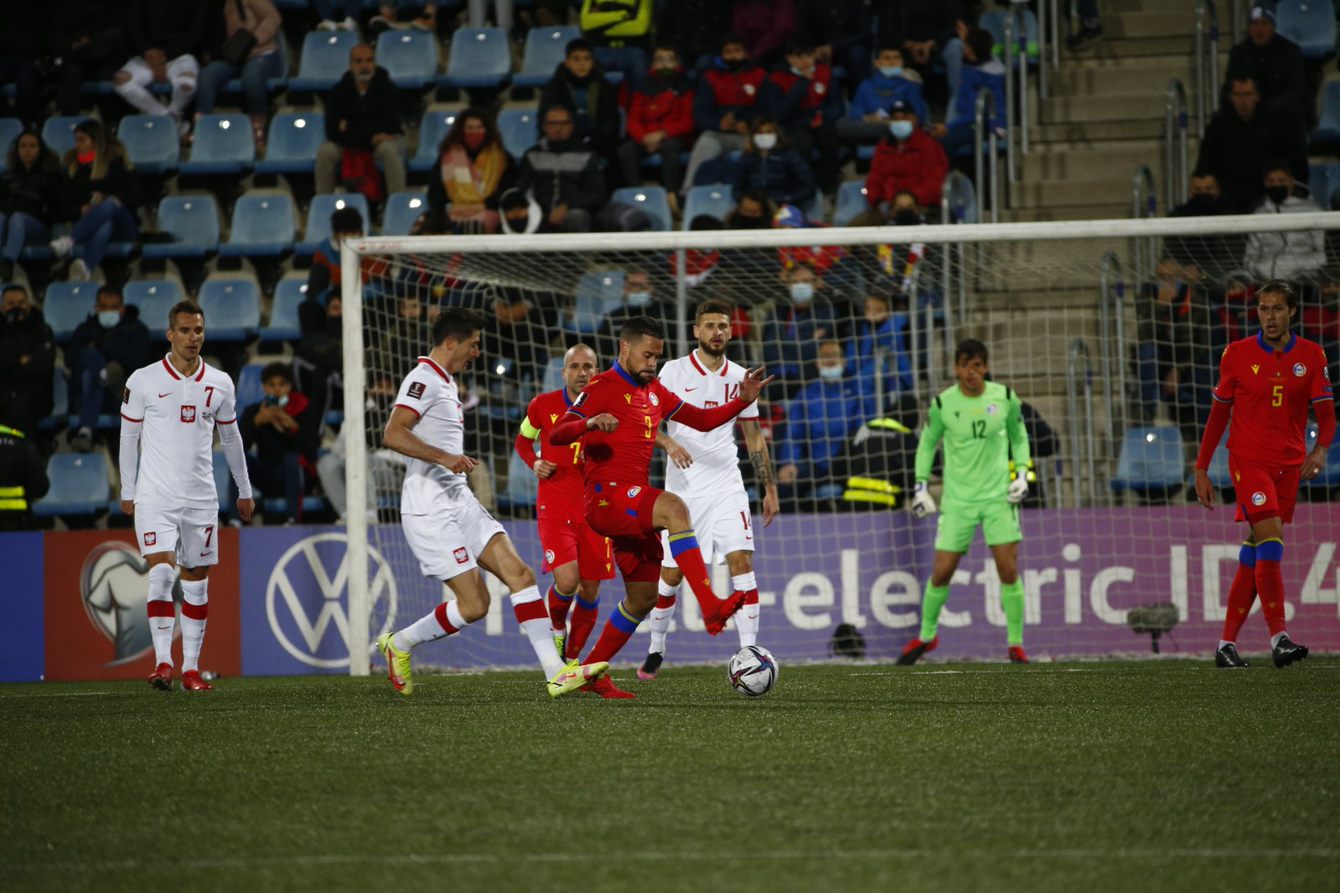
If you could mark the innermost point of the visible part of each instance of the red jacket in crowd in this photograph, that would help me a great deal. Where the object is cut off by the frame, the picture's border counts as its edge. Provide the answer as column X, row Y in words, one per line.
column 657, row 106
column 918, row 165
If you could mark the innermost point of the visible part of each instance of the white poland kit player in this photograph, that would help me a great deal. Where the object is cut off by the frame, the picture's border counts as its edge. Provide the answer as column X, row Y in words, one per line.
column 443, row 521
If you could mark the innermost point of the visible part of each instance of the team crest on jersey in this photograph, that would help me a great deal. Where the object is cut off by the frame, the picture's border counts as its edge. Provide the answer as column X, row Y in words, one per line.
column 416, row 389
column 748, row 89
column 655, row 401
column 1299, row 370
column 633, row 491
column 992, row 409
column 151, row 539
column 1258, row 498
column 188, row 414
column 461, row 555
column 548, row 556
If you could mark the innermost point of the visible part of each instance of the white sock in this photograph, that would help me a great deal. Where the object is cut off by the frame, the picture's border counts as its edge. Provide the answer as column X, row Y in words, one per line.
column 430, row 628
column 1275, row 639
column 746, row 619
column 660, row 617
column 533, row 615
column 1223, row 642
column 161, row 577
column 195, row 595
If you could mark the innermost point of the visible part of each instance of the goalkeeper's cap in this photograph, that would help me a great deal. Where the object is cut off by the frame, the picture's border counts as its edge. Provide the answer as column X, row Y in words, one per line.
column 789, row 215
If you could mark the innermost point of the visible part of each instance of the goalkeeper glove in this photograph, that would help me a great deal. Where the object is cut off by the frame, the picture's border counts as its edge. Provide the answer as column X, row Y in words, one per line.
column 1017, row 491
column 922, row 503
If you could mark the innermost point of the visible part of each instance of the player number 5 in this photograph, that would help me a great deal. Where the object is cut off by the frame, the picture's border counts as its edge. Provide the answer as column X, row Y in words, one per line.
column 1277, row 395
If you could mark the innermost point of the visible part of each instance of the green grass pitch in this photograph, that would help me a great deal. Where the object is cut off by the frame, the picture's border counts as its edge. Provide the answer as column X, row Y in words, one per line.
column 1112, row 776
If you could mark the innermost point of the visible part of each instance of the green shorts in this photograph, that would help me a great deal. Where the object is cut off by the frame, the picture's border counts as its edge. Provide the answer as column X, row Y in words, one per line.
column 957, row 526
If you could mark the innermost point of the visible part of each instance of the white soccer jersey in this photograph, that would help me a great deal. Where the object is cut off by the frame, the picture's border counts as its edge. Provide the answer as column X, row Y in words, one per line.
column 176, row 466
column 716, row 465
column 431, row 394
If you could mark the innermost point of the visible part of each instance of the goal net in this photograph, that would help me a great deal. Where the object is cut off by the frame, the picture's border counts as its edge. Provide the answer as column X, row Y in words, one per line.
column 1110, row 331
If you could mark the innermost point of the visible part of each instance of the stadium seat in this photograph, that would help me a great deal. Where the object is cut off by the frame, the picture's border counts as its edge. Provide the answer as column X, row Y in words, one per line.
column 151, row 141
column 318, row 218
column 223, row 144
column 283, row 326
column 193, row 220
column 1328, row 128
column 232, row 305
column 324, row 60
column 962, row 198
column 433, row 129
column 10, row 128
column 1152, row 461
column 249, row 390
column 79, row 486
column 66, row 305
column 1330, row 472
column 58, row 132
column 263, row 226
column 596, row 295
column 60, row 403
column 544, row 51
column 850, row 201
column 291, row 145
column 154, row 298
column 519, row 129
column 402, row 209
column 713, row 200
column 234, row 85
column 409, row 56
column 480, row 57
column 1308, row 23
column 553, row 374
column 650, row 199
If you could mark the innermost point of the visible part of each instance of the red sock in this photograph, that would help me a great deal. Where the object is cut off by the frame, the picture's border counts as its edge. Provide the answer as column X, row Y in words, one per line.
column 583, row 621
column 620, row 627
column 1241, row 595
column 684, row 547
column 558, row 608
column 1270, row 583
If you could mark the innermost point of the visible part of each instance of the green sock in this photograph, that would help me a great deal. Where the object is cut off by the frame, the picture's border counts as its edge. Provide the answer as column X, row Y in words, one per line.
column 931, row 603
column 1012, row 600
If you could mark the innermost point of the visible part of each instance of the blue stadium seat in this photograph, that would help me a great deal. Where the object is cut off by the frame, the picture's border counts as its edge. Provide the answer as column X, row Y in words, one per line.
column 850, row 201
column 1152, row 461
column 402, row 209
column 151, row 141
column 58, row 132
column 522, row 485
column 249, row 390
column 10, row 128
column 154, row 298
column 409, row 56
column 283, row 326
column 650, row 199
column 223, row 145
column 596, row 295
column 193, row 220
column 291, row 145
column 324, row 60
column 433, row 129
column 318, row 218
column 1218, row 470
column 544, row 52
column 1308, row 23
column 1328, row 128
column 553, row 375
column 263, row 226
column 232, row 305
column 67, row 304
column 1330, row 472
column 480, row 57
column 79, row 486
column 713, row 200
column 60, row 403
column 519, row 129
column 962, row 198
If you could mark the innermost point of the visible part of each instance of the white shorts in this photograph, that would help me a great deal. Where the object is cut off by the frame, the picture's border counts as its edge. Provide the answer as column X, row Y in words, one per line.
column 193, row 533
column 723, row 523
column 448, row 540
column 184, row 66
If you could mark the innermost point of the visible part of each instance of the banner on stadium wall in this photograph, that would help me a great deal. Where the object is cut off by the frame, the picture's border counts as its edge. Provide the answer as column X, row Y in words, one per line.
column 21, row 640
column 1077, row 597
column 97, row 627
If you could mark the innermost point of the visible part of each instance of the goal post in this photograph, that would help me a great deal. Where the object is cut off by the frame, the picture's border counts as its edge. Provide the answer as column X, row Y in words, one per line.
column 1102, row 326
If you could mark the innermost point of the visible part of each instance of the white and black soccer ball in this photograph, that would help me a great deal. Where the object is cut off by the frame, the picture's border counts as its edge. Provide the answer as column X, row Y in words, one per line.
column 752, row 671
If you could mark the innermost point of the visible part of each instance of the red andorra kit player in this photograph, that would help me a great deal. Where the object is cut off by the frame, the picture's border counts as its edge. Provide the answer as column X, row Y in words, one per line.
column 577, row 556
column 1266, row 385
column 617, row 417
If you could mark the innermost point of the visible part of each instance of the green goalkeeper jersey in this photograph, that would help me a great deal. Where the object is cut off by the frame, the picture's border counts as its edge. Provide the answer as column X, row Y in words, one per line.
column 979, row 434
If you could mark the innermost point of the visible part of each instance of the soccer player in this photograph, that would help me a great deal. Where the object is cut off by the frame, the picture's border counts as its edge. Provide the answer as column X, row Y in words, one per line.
column 171, row 408
column 704, row 471
column 617, row 418
column 578, row 557
column 1266, row 384
column 450, row 532
column 981, row 425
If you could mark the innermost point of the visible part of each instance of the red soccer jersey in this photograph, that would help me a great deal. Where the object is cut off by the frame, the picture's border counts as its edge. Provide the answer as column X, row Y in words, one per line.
column 562, row 489
column 624, row 454
column 1270, row 392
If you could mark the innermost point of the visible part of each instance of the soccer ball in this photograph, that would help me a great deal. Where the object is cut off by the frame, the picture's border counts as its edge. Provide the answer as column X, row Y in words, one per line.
column 752, row 671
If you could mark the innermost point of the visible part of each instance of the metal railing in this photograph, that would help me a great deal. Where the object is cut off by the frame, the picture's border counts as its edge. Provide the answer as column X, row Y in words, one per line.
column 1175, row 170
column 1144, row 204
column 954, row 260
column 984, row 132
column 1207, row 65
column 1112, row 332
column 1016, row 70
column 1082, row 454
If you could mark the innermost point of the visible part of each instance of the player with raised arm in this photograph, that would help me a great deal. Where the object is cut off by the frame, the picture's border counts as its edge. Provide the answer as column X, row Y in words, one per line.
column 169, row 411
column 450, row 532
column 617, row 417
column 1267, row 382
column 578, row 557
column 704, row 471
column 981, row 425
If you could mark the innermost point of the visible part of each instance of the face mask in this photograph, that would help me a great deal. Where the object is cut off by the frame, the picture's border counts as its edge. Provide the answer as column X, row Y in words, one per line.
column 1202, row 203
column 830, row 373
column 892, row 71
column 15, row 316
column 473, row 141
column 638, row 298
column 86, row 157
column 901, row 130
column 1277, row 194
column 802, row 292
column 667, row 74
column 765, row 141
column 278, row 401
column 109, row 318
column 732, row 64
column 906, row 217
column 743, row 222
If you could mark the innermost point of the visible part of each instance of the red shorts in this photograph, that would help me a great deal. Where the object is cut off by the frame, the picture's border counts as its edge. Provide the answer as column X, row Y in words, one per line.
column 1264, row 491
column 566, row 539
column 623, row 512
